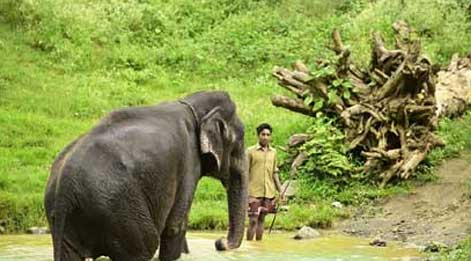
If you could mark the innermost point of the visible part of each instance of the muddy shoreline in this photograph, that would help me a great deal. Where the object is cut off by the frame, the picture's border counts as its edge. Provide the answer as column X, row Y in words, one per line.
column 438, row 212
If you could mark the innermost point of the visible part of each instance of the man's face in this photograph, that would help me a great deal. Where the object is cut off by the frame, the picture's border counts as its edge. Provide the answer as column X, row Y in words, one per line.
column 264, row 137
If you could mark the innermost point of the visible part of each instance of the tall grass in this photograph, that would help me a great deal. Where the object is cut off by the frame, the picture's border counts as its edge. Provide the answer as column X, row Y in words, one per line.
column 433, row 21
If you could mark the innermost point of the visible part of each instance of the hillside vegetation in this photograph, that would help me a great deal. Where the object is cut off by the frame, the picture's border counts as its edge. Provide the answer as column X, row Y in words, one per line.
column 67, row 63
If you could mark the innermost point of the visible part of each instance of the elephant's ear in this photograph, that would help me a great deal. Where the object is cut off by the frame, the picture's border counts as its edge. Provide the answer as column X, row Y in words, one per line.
column 213, row 130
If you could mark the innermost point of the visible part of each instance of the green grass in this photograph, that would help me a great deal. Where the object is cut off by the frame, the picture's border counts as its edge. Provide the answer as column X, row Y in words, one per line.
column 315, row 214
column 460, row 253
column 43, row 108
column 66, row 63
column 455, row 133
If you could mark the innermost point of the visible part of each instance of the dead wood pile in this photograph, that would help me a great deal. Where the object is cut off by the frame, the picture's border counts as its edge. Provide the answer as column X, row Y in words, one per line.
column 387, row 111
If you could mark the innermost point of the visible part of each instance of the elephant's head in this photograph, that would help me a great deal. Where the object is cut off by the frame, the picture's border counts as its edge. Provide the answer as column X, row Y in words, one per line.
column 223, row 156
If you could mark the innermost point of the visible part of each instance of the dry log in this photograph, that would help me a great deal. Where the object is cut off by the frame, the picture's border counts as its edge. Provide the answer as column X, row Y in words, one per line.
column 301, row 76
column 420, row 109
column 390, row 155
column 384, row 59
column 296, row 105
column 359, row 139
column 300, row 67
column 403, row 34
column 337, row 40
column 378, row 76
column 319, row 87
column 298, row 161
column 298, row 139
column 286, row 80
column 393, row 154
column 411, row 163
column 390, row 172
column 393, row 83
column 436, row 141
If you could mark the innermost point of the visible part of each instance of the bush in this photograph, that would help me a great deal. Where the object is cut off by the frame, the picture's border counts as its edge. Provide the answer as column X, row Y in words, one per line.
column 461, row 253
column 327, row 150
column 317, row 215
column 19, row 212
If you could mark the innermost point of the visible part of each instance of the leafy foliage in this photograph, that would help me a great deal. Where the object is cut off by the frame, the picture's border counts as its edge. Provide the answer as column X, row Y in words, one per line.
column 461, row 253
column 326, row 150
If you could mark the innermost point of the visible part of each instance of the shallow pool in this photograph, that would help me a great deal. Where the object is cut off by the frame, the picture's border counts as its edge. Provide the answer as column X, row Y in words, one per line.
column 276, row 246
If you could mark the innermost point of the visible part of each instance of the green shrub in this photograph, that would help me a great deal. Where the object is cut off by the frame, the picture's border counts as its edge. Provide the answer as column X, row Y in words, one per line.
column 317, row 215
column 327, row 150
column 461, row 253
column 19, row 212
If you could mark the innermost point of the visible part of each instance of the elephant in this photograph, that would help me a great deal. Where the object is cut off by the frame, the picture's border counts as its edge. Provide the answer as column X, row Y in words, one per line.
column 124, row 189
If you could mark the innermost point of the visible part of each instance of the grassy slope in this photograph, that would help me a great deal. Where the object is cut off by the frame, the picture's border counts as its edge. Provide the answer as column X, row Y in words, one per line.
column 42, row 110
column 60, row 75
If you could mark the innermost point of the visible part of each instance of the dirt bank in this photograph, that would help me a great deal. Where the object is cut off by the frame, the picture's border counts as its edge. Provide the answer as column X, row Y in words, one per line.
column 439, row 211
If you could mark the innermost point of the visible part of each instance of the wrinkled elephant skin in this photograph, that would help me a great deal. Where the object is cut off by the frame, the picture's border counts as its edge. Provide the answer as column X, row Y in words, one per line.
column 125, row 188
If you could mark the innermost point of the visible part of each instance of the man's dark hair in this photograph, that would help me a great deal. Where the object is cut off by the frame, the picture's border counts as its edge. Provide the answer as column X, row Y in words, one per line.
column 263, row 126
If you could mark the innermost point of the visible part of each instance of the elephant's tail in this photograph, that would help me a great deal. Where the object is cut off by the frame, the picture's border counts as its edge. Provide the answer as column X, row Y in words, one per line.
column 58, row 228
column 62, row 208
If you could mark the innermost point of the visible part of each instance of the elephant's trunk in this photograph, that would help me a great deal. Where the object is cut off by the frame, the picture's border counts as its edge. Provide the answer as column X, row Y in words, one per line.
column 237, row 199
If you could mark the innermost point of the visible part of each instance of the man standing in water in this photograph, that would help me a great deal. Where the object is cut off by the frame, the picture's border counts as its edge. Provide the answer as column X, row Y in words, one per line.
column 264, row 182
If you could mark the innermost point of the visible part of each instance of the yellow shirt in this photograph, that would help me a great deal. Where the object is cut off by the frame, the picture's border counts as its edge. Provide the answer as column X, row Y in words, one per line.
column 262, row 166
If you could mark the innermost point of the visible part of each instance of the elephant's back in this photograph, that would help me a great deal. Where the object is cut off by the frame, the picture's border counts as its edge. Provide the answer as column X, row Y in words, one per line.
column 135, row 148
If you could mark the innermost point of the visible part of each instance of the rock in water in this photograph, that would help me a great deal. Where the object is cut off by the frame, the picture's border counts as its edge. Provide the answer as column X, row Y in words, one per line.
column 378, row 242
column 283, row 208
column 435, row 247
column 337, row 204
column 306, row 233
column 37, row 230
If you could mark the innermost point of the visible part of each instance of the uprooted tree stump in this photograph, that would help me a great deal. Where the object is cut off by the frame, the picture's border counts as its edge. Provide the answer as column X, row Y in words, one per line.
column 387, row 111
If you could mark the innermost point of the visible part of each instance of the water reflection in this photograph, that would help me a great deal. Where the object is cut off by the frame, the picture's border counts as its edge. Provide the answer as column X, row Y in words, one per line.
column 277, row 246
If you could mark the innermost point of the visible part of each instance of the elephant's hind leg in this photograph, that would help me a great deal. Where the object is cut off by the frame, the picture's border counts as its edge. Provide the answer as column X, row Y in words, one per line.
column 69, row 253
column 133, row 240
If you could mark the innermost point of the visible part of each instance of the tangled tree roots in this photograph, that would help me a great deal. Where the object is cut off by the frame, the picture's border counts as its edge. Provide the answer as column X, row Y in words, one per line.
column 387, row 111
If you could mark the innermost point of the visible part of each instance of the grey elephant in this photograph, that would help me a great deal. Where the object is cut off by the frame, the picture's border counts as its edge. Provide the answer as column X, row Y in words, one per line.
column 125, row 188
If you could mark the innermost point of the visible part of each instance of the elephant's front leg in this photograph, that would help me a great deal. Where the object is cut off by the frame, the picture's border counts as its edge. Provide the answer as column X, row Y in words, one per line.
column 173, row 242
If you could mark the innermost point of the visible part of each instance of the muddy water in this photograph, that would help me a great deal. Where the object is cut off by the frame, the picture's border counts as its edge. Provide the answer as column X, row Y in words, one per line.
column 277, row 246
